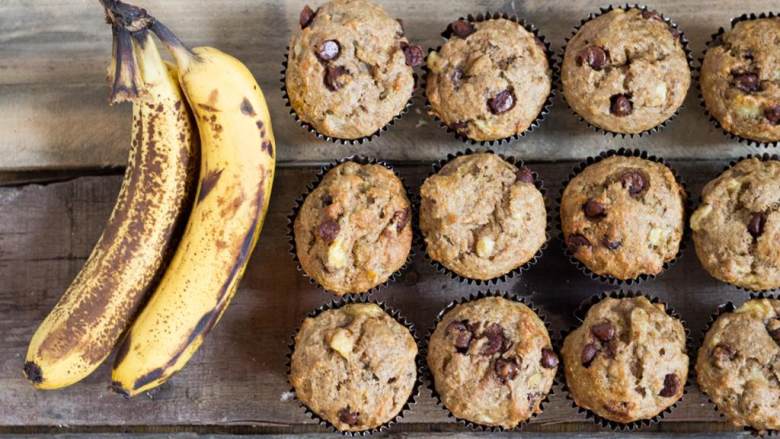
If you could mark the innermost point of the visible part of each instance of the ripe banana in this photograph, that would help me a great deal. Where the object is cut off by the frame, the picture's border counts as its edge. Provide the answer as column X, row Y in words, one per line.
column 236, row 176
column 92, row 314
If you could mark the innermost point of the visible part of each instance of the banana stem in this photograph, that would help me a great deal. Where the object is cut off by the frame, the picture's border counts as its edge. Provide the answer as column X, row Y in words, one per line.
column 180, row 52
column 125, row 74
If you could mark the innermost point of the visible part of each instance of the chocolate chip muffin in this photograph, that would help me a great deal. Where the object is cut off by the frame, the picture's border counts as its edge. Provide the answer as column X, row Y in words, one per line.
column 737, row 364
column 354, row 366
column 626, row 71
column 492, row 362
column 627, row 361
column 623, row 217
column 737, row 226
column 740, row 80
column 481, row 216
column 490, row 80
column 354, row 230
column 349, row 68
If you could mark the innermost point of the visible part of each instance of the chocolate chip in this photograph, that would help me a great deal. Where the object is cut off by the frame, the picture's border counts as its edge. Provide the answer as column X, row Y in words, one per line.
column 502, row 102
column 332, row 75
column 459, row 126
column 327, row 200
column 348, row 417
column 594, row 56
column 549, row 359
column 773, row 328
column 329, row 50
column 593, row 209
column 747, row 82
column 722, row 353
column 756, row 224
column 610, row 244
column 462, row 334
column 671, row 385
column 620, row 105
column 651, row 15
column 575, row 241
column 506, row 369
column 462, row 28
column 457, row 77
column 306, row 17
column 588, row 354
column 525, row 175
column 413, row 53
column 328, row 230
column 772, row 114
column 495, row 339
column 603, row 331
column 634, row 182
column 401, row 218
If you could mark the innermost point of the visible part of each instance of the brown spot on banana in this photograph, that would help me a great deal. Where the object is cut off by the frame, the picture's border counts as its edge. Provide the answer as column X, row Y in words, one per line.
column 208, row 182
column 267, row 147
column 246, row 108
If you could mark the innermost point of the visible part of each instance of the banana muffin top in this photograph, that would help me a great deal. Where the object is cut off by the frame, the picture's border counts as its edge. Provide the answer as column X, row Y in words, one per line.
column 623, row 217
column 627, row 361
column 737, row 225
column 481, row 216
column 354, row 229
column 625, row 71
column 740, row 79
column 354, row 366
column 350, row 68
column 490, row 80
column 492, row 362
column 738, row 366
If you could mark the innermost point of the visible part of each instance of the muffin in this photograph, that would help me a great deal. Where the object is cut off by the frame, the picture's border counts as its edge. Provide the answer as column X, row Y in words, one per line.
column 353, row 231
column 350, row 68
column 737, row 226
column 490, row 80
column 492, row 362
column 627, row 362
column 626, row 71
column 481, row 216
column 740, row 80
column 737, row 364
column 623, row 217
column 354, row 366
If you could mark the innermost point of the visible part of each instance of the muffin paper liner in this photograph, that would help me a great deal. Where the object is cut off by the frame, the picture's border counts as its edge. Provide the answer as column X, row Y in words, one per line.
column 543, row 113
column 726, row 308
column 602, row 11
column 396, row 315
column 310, row 128
column 429, row 376
column 712, row 42
column 579, row 315
column 595, row 159
column 313, row 185
column 763, row 157
column 440, row 268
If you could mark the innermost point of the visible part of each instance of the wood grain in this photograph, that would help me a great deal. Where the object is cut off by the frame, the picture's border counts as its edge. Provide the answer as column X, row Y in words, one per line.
column 237, row 382
column 53, row 94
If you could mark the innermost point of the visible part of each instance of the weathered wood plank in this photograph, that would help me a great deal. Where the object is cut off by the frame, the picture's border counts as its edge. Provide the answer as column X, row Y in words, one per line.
column 53, row 93
column 238, row 379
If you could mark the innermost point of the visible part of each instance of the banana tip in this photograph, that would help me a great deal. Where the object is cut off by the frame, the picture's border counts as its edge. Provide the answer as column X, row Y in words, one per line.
column 33, row 372
column 116, row 386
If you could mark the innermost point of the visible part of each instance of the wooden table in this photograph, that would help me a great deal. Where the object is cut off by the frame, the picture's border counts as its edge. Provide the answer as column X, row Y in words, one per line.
column 61, row 155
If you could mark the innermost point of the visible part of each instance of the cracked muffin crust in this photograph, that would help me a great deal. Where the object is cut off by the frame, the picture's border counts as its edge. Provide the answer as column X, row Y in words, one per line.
column 738, row 364
column 481, row 216
column 623, row 217
column 740, row 79
column 350, row 68
column 490, row 80
column 627, row 361
column 492, row 362
column 625, row 71
column 354, row 366
column 737, row 226
column 354, row 230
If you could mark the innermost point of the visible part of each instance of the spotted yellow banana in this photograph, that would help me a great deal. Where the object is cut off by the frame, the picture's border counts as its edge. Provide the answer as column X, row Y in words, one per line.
column 85, row 325
column 236, row 176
